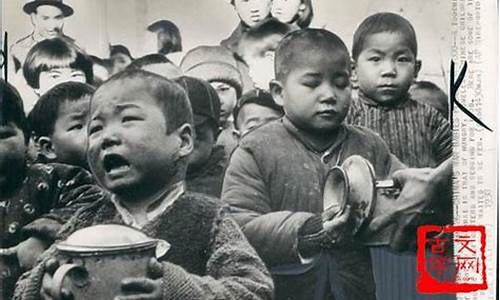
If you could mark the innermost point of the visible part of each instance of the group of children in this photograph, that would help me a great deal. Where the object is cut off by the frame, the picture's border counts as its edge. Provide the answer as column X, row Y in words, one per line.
column 231, row 176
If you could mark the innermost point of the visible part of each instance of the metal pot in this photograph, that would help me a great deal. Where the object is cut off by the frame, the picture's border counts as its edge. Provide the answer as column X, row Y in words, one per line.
column 354, row 183
column 95, row 260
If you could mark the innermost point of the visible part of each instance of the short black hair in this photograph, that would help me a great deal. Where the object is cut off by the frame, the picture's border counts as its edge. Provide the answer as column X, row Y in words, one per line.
column 298, row 45
column 119, row 49
column 55, row 53
column 11, row 108
column 171, row 97
column 149, row 59
column 383, row 22
column 45, row 113
column 174, row 42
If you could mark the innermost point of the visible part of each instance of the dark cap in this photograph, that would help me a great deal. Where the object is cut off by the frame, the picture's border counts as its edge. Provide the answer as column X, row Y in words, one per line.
column 204, row 99
column 31, row 6
column 259, row 97
column 161, row 25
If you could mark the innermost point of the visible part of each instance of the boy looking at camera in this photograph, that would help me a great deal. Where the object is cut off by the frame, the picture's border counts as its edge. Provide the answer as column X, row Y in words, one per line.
column 384, row 52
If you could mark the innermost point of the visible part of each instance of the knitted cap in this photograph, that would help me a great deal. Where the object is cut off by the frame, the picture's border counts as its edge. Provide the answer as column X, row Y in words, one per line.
column 213, row 63
column 259, row 97
column 204, row 99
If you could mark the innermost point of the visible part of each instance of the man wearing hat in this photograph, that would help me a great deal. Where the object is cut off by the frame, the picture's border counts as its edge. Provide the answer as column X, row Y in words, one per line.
column 47, row 17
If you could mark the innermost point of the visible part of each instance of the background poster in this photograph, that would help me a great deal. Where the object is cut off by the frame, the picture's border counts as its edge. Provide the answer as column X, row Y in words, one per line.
column 458, row 30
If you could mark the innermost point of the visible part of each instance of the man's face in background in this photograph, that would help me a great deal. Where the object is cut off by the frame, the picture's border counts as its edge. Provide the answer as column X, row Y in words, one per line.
column 48, row 21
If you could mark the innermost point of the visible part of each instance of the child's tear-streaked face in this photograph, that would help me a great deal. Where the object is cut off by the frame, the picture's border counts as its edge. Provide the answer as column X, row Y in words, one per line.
column 12, row 154
column 69, row 138
column 251, row 12
column 129, row 148
column 54, row 76
column 285, row 10
column 317, row 92
column 386, row 67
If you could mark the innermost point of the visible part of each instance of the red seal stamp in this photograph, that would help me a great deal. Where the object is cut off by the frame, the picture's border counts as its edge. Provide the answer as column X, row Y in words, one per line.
column 451, row 259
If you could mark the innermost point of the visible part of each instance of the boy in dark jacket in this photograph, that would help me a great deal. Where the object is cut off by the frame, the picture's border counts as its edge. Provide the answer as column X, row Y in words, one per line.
column 274, row 181
column 29, row 191
column 207, row 163
column 58, row 123
column 140, row 138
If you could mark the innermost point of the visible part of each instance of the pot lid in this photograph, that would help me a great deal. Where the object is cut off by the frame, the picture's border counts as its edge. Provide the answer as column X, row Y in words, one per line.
column 106, row 236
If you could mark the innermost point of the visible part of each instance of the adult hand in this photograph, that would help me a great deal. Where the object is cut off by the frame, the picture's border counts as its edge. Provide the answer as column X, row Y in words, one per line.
column 418, row 196
column 144, row 288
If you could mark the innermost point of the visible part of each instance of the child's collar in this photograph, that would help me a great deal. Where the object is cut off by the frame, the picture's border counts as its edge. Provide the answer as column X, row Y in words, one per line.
column 312, row 145
column 158, row 205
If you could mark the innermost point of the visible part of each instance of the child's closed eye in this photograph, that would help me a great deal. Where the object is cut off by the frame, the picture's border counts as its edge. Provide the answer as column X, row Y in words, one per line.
column 131, row 119
column 312, row 83
column 374, row 58
column 75, row 127
column 94, row 129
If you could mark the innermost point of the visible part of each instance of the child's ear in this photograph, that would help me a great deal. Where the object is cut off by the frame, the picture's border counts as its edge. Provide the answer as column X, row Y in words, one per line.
column 46, row 148
column 276, row 89
column 186, row 134
column 418, row 66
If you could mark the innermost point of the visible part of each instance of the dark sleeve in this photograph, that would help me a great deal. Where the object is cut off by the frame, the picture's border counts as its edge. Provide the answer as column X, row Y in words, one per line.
column 75, row 188
column 234, row 271
column 245, row 191
column 441, row 137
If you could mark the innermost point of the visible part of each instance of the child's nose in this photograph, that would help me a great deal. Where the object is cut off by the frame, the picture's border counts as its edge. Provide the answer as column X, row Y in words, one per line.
column 109, row 139
column 328, row 94
column 389, row 68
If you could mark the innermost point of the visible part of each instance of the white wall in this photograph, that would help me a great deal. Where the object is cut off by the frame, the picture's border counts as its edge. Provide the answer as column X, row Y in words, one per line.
column 99, row 22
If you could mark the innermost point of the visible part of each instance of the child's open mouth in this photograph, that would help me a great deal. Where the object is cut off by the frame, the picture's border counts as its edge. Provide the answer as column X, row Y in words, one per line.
column 115, row 163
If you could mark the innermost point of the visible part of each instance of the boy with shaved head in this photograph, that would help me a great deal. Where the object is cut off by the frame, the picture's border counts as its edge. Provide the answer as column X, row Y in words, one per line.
column 274, row 181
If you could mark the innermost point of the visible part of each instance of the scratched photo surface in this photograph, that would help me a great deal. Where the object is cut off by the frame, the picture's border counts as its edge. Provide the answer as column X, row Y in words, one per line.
column 445, row 119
